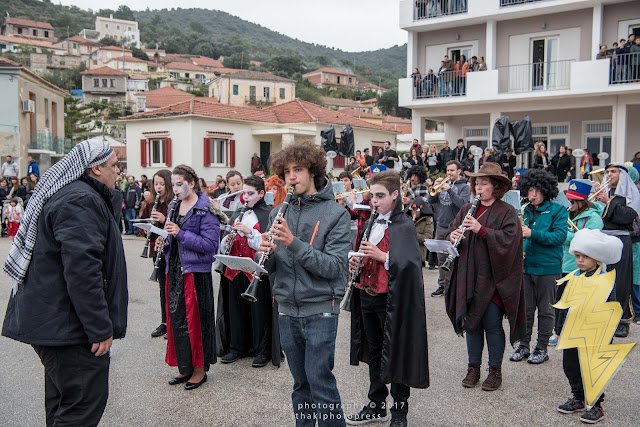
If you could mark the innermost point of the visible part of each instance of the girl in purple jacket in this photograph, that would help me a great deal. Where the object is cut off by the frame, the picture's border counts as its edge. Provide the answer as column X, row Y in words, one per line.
column 194, row 232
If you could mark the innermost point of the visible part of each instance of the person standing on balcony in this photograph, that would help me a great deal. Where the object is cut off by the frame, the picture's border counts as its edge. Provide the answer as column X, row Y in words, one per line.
column 447, row 75
column 417, row 83
column 10, row 168
column 33, row 167
column 482, row 66
column 461, row 69
column 635, row 60
column 429, row 83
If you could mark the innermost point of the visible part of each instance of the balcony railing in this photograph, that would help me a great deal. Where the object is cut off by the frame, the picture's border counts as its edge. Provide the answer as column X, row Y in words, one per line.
column 425, row 9
column 448, row 83
column 504, row 3
column 44, row 141
column 624, row 68
column 552, row 75
column 265, row 100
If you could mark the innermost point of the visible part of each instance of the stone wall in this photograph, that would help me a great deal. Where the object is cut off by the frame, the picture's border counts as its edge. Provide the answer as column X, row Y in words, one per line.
column 41, row 62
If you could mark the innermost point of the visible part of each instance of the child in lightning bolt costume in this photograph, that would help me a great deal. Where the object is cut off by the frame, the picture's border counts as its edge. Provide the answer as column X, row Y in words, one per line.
column 590, row 360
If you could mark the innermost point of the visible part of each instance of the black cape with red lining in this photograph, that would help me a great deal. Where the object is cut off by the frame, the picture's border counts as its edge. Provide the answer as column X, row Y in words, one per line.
column 262, row 210
column 404, row 350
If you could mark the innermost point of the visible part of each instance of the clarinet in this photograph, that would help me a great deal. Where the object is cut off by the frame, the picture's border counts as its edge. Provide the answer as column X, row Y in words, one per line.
column 250, row 293
column 446, row 266
column 347, row 302
column 171, row 216
column 145, row 251
column 231, row 237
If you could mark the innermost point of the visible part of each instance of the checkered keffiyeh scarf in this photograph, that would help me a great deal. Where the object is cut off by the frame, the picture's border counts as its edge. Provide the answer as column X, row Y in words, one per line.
column 85, row 154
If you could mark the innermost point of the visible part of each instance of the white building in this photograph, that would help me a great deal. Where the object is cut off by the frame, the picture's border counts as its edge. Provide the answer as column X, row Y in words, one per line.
column 541, row 60
column 120, row 29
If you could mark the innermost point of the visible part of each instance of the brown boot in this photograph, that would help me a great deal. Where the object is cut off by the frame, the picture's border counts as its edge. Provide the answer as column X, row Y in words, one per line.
column 473, row 376
column 494, row 379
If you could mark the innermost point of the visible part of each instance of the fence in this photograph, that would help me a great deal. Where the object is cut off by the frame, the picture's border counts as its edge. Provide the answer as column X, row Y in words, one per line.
column 425, row 9
column 44, row 141
column 448, row 83
column 624, row 68
column 552, row 75
column 504, row 3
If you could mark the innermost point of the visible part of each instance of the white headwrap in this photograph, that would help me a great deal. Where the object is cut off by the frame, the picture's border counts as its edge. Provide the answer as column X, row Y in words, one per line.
column 627, row 188
column 595, row 244
column 85, row 154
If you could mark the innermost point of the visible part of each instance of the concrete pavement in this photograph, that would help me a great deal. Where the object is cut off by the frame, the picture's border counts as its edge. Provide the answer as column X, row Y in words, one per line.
column 239, row 395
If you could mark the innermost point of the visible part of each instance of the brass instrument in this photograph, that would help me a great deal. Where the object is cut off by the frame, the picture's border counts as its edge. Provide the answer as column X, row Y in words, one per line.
column 252, row 289
column 171, row 216
column 355, row 173
column 145, row 250
column 446, row 265
column 405, row 189
column 435, row 189
column 347, row 303
column 604, row 187
column 572, row 226
column 521, row 213
column 231, row 237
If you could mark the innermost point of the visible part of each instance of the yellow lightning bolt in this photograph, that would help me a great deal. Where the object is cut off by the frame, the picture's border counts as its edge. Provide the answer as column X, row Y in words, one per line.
column 590, row 325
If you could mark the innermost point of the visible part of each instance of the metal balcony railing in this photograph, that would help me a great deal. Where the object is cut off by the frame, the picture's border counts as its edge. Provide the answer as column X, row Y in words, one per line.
column 448, row 83
column 624, row 68
column 504, row 3
column 552, row 75
column 425, row 9
column 253, row 100
column 44, row 141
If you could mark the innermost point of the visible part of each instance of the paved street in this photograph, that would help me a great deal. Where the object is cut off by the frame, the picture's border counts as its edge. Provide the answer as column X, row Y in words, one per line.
column 239, row 395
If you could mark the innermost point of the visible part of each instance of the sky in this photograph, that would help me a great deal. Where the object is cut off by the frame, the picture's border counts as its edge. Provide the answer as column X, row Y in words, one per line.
column 350, row 25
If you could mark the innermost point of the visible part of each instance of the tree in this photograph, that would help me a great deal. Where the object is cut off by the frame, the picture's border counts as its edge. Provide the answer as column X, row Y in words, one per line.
column 67, row 78
column 138, row 53
column 307, row 92
column 287, row 65
column 237, row 60
column 109, row 41
column 124, row 12
column 75, row 119
column 388, row 104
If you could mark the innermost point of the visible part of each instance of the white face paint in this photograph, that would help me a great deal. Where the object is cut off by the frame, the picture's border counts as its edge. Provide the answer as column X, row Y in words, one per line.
column 251, row 195
column 180, row 186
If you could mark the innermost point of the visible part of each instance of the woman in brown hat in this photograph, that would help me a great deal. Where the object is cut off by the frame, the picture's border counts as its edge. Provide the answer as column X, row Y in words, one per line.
column 486, row 281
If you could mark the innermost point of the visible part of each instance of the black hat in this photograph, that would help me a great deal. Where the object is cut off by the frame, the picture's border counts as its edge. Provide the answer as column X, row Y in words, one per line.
column 421, row 204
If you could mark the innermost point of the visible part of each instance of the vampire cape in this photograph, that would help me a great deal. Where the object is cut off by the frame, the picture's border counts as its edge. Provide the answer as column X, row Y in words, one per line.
column 404, row 350
column 261, row 209
column 484, row 265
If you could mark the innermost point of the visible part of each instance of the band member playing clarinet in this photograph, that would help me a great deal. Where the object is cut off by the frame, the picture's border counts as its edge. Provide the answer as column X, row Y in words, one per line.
column 309, row 259
column 161, row 188
column 486, row 280
column 244, row 327
column 388, row 309
column 194, row 233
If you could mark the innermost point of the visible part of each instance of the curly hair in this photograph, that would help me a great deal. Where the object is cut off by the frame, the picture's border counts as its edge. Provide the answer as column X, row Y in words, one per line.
column 188, row 174
column 306, row 154
column 281, row 193
column 418, row 171
column 541, row 180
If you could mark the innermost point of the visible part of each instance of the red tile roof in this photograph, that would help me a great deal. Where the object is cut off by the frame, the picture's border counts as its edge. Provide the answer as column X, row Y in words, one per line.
column 127, row 59
column 154, row 50
column 119, row 49
column 138, row 77
column 175, row 57
column 30, row 42
column 296, row 111
column 330, row 70
column 368, row 85
column 226, row 70
column 204, row 61
column 256, row 63
column 187, row 66
column 6, row 62
column 165, row 96
column 29, row 23
column 369, row 101
column 82, row 40
column 104, row 71
column 397, row 120
column 357, row 113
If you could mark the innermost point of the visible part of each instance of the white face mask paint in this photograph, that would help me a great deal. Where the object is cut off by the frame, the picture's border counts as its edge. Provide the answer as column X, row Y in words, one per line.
column 180, row 187
column 251, row 195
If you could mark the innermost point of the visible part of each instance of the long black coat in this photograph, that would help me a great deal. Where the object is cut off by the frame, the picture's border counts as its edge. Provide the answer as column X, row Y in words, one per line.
column 75, row 291
column 404, row 350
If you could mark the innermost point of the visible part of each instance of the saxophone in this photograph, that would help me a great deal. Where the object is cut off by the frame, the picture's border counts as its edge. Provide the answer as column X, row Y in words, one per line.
column 145, row 251
column 347, row 302
column 405, row 189
column 171, row 216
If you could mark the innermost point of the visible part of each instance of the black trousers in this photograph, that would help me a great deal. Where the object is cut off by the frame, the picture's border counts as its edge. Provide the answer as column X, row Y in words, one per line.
column 571, row 367
column 249, row 322
column 374, row 312
column 162, row 281
column 76, row 384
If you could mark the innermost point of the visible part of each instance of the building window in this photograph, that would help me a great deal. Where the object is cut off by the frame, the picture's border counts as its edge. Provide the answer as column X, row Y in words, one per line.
column 252, row 93
column 349, row 80
column 117, row 27
column 106, row 25
column 129, row 28
column 47, row 118
column 35, row 33
column 266, row 92
column 113, row 82
column 75, row 45
column 186, row 75
column 104, row 82
column 46, row 34
column 174, row 75
column 157, row 152
column 338, row 79
column 96, row 82
column 235, row 89
column 218, row 151
column 282, row 93
column 19, row 30
column 105, row 99
column 598, row 140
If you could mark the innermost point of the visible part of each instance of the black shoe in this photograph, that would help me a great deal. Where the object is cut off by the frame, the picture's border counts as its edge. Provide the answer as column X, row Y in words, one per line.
column 521, row 352
column 369, row 414
column 622, row 331
column 193, row 386
column 432, row 267
column 398, row 422
column 159, row 331
column 438, row 292
column 571, row 405
column 179, row 380
column 166, row 337
column 231, row 357
column 260, row 360
column 539, row 356
column 592, row 415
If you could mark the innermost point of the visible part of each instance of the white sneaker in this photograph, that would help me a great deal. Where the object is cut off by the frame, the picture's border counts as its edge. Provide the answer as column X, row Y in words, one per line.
column 553, row 340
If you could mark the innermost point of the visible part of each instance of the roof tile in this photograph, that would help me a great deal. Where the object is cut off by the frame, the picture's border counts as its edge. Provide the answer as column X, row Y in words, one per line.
column 104, row 71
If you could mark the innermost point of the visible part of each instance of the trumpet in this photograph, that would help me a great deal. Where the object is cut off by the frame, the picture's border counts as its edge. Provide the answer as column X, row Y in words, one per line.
column 435, row 189
column 604, row 187
column 145, row 250
column 572, row 225
column 355, row 173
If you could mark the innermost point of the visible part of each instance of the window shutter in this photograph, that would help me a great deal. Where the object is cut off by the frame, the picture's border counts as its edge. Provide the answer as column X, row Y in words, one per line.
column 167, row 152
column 207, row 152
column 232, row 153
column 143, row 153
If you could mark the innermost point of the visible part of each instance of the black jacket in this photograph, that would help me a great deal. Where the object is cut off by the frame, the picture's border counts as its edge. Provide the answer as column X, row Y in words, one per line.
column 75, row 291
column 561, row 166
column 132, row 196
column 460, row 154
column 444, row 156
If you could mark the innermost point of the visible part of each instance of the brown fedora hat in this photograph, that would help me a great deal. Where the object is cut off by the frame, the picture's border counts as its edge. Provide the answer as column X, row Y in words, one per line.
column 490, row 169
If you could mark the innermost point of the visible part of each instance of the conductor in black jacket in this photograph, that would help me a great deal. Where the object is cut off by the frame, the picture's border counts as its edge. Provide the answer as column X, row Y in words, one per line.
column 69, row 298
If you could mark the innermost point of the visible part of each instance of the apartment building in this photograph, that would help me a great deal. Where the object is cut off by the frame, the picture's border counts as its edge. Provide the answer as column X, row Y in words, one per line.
column 252, row 88
column 541, row 61
column 332, row 78
column 119, row 29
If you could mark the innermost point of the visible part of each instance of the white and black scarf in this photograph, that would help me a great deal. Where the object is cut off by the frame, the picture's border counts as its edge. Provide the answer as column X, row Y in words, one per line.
column 85, row 154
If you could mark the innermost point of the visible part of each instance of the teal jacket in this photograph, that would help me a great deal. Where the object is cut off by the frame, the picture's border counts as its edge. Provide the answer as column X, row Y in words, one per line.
column 587, row 219
column 543, row 250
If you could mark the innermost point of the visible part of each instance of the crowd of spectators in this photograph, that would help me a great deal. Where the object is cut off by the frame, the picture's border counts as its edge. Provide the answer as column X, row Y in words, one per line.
column 624, row 59
column 450, row 80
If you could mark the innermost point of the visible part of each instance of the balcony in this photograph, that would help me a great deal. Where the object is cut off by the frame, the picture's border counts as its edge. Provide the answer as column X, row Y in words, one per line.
column 624, row 68
column 505, row 3
column 259, row 102
column 448, row 83
column 552, row 75
column 43, row 141
column 424, row 9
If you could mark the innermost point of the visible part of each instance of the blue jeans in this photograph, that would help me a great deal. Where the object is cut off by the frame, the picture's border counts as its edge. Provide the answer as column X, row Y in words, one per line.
column 309, row 344
column 491, row 325
column 129, row 215
column 635, row 299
